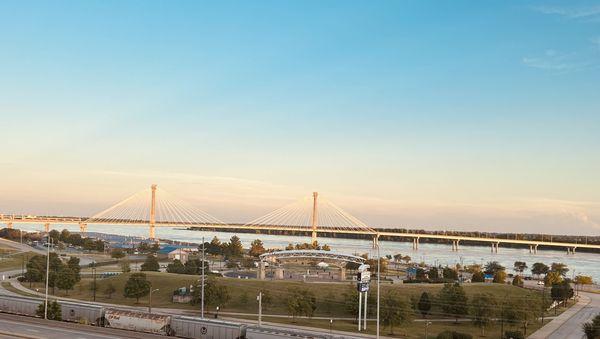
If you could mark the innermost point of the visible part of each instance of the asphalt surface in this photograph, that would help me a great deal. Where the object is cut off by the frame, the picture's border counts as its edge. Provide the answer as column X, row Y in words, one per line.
column 14, row 326
column 572, row 328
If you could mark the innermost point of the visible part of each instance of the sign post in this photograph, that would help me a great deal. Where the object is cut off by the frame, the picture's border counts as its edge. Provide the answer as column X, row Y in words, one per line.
column 363, row 279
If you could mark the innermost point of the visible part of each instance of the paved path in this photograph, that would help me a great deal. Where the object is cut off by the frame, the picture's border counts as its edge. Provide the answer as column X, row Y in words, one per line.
column 568, row 324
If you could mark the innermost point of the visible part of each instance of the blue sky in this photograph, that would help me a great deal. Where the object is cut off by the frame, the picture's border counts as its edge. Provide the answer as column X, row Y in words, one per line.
column 461, row 114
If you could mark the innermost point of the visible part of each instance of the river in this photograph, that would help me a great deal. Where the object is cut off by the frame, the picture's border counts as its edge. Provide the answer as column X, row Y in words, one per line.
column 434, row 254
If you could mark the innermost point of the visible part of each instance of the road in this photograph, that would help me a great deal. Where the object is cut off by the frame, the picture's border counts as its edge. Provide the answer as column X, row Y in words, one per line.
column 572, row 327
column 14, row 326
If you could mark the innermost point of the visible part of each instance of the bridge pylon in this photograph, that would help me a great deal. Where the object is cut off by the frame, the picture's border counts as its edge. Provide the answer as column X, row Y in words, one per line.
column 153, row 213
column 315, row 219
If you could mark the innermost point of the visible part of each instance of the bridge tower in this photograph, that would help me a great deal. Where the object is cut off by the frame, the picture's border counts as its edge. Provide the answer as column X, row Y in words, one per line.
column 315, row 218
column 153, row 212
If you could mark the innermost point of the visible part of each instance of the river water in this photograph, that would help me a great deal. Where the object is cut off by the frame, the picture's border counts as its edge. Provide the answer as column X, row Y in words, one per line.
column 435, row 254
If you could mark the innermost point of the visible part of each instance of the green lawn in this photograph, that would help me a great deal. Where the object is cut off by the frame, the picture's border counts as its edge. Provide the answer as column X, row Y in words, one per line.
column 330, row 300
column 11, row 260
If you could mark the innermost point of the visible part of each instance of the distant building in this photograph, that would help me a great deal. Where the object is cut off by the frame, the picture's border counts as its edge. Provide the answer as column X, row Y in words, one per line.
column 488, row 278
column 182, row 254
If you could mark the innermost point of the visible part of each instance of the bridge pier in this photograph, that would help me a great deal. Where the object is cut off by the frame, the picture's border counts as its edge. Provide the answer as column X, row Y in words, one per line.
column 9, row 225
column 416, row 244
column 571, row 250
column 82, row 228
column 495, row 247
column 47, row 227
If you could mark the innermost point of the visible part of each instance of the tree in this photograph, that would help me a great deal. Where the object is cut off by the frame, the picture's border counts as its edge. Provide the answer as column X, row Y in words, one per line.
column 176, row 267
column 478, row 277
column 583, row 280
column 194, row 266
column 520, row 310
column 215, row 294
column 136, row 286
column 125, row 266
column 500, row 277
column 55, row 236
column 450, row 273
column 552, row 278
column 520, row 266
column 234, row 248
column 483, row 306
column 256, row 248
column 301, row 302
column 151, row 264
column 517, row 281
column 351, row 300
column 53, row 313
column 109, row 290
column 559, row 268
column 492, row 267
column 64, row 235
column 424, row 304
column 539, row 268
column 214, row 247
column 65, row 279
column 73, row 264
column 561, row 292
column 117, row 253
column 395, row 311
column 592, row 328
column 453, row 299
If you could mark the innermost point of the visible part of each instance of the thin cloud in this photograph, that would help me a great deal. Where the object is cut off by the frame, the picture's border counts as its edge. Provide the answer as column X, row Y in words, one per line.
column 558, row 62
column 591, row 13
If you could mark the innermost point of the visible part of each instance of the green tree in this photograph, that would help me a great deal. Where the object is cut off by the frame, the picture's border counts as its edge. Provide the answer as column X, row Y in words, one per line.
column 125, row 266
column 520, row 311
column 64, row 235
column 215, row 294
column 395, row 311
column 73, row 264
column 66, row 279
column 561, row 292
column 592, row 328
column 453, row 300
column 450, row 273
column 301, row 302
column 492, row 267
column 234, row 248
column 483, row 309
column 539, row 268
column 117, row 253
column 136, row 286
column 424, row 304
column 214, row 247
column 520, row 266
column 256, row 248
column 53, row 313
column 176, row 267
column 194, row 266
column 151, row 264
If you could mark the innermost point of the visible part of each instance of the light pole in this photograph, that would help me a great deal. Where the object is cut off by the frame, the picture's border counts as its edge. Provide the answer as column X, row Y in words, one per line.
column 259, row 299
column 94, row 275
column 202, row 288
column 150, row 299
column 217, row 314
column 378, row 281
column 330, row 327
column 47, row 276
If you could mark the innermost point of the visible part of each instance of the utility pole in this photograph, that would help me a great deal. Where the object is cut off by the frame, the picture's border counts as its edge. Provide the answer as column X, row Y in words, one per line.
column 150, row 299
column 315, row 218
column 365, row 313
column 202, row 288
column 153, row 213
column 359, row 309
column 259, row 298
column 94, row 274
column 378, row 281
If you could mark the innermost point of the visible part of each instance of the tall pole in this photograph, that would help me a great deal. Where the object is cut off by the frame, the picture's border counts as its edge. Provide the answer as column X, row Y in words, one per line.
column 359, row 309
column 259, row 308
column 94, row 273
column 378, row 281
column 47, row 276
column 202, row 288
column 365, row 314
column 153, row 212
column 315, row 218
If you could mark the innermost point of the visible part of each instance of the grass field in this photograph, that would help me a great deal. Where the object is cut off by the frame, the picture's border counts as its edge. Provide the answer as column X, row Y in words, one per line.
column 11, row 260
column 330, row 300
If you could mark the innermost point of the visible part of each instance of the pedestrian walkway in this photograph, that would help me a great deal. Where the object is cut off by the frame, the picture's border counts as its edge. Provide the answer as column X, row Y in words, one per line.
column 547, row 330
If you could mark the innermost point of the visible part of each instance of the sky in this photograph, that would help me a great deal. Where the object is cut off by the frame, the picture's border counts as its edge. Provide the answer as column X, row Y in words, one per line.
column 463, row 115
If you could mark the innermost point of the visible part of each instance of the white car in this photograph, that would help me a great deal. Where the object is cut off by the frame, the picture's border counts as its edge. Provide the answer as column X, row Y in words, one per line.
column 541, row 283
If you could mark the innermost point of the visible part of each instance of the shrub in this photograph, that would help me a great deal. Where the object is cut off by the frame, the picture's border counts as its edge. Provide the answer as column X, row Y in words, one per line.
column 454, row 335
column 513, row 335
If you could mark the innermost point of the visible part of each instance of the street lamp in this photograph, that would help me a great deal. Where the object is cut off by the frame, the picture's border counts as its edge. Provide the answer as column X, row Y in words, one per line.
column 217, row 314
column 330, row 327
column 150, row 299
column 47, row 276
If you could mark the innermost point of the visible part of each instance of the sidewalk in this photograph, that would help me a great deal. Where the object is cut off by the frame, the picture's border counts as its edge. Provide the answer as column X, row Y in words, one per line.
column 557, row 322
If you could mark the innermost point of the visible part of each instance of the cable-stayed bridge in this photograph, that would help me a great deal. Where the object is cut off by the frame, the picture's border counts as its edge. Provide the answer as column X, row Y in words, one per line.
column 154, row 207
